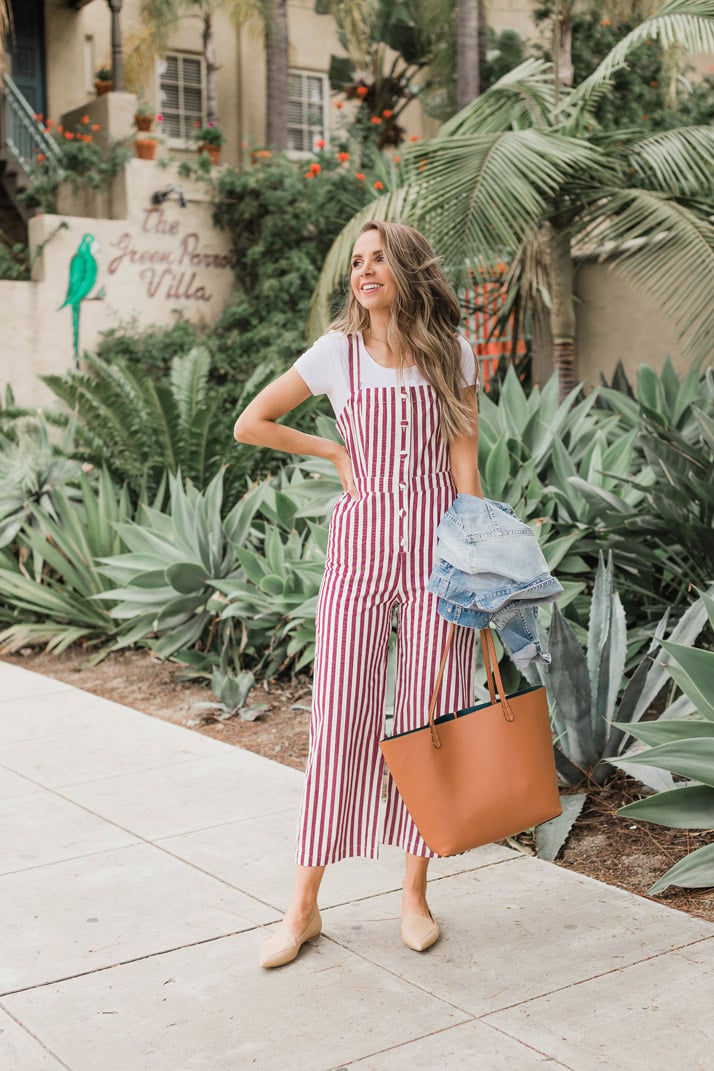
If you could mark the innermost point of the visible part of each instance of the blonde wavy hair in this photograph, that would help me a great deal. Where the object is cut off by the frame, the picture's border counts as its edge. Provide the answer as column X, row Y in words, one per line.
column 424, row 321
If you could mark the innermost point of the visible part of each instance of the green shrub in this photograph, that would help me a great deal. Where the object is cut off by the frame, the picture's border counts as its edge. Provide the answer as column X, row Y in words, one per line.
column 282, row 224
column 14, row 261
column 79, row 160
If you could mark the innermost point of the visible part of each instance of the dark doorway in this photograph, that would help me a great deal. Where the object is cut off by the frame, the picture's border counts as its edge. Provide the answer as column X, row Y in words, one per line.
column 27, row 51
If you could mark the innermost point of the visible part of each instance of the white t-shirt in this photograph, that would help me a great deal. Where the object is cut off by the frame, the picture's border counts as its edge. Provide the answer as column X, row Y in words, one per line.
column 325, row 368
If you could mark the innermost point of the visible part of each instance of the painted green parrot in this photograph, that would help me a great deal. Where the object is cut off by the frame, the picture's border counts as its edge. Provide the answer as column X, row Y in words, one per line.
column 82, row 277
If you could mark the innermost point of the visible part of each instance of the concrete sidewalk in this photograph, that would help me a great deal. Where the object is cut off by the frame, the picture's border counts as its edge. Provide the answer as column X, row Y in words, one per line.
column 140, row 864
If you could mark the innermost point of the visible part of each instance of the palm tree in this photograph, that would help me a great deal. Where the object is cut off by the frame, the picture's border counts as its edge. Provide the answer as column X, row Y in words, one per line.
column 523, row 175
column 276, row 66
column 467, row 52
column 160, row 18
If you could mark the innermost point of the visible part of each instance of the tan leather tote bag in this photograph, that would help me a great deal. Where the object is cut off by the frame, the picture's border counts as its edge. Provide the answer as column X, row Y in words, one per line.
column 480, row 774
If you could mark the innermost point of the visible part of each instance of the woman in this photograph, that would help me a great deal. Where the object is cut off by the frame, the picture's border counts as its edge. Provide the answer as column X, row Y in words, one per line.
column 402, row 384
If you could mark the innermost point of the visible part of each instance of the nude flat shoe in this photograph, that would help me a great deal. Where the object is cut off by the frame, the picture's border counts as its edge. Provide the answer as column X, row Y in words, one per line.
column 283, row 947
column 419, row 932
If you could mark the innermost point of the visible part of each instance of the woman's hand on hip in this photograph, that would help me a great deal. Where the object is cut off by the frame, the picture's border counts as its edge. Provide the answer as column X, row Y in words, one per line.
column 343, row 463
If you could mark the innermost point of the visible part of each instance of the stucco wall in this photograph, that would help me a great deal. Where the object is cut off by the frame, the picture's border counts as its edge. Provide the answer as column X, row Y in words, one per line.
column 158, row 263
column 615, row 323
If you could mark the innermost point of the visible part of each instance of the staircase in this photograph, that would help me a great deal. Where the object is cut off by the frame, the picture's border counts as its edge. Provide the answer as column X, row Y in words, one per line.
column 22, row 138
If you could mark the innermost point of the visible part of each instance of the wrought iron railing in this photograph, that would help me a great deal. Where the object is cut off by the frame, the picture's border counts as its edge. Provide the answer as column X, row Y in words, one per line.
column 23, row 136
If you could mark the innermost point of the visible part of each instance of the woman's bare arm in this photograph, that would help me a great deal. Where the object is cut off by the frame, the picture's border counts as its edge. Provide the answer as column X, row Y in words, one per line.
column 257, row 425
column 463, row 452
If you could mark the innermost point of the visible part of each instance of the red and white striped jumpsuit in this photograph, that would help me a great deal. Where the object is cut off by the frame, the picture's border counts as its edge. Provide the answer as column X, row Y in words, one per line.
column 379, row 557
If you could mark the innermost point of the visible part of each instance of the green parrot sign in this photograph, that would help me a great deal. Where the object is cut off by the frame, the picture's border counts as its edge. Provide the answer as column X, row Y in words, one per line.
column 82, row 277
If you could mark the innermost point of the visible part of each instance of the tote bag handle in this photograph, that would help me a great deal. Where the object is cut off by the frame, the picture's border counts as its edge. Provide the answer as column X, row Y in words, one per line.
column 493, row 678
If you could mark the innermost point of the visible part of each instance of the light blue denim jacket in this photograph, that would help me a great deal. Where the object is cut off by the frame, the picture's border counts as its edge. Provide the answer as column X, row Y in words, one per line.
column 491, row 571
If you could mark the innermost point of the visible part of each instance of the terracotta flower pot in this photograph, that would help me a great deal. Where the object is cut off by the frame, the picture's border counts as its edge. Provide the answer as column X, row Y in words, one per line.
column 146, row 148
column 143, row 122
column 214, row 151
column 103, row 87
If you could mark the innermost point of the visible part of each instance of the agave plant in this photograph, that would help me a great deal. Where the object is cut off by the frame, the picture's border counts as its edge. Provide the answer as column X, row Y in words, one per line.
column 591, row 703
column 657, row 514
column 163, row 584
column 33, row 471
column 140, row 429
column 49, row 587
column 685, row 747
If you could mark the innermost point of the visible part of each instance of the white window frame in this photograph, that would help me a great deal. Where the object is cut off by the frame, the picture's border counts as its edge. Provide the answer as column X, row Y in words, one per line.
column 303, row 154
column 185, row 143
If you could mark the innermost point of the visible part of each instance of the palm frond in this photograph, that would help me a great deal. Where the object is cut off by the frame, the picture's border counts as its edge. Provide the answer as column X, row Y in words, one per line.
column 679, row 161
column 477, row 197
column 666, row 249
column 355, row 20
column 189, row 382
column 523, row 97
column 678, row 23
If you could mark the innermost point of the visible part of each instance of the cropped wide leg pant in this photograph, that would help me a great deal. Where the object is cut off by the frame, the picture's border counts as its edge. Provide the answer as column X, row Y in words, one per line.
column 379, row 556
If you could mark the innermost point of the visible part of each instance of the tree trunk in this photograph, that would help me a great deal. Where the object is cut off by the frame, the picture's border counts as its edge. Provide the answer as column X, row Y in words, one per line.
column 209, row 58
column 562, row 310
column 482, row 43
column 565, row 60
column 467, row 46
column 563, row 46
column 276, row 59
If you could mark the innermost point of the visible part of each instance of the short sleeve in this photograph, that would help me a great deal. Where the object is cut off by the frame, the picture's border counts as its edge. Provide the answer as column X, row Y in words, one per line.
column 317, row 366
column 325, row 368
column 469, row 364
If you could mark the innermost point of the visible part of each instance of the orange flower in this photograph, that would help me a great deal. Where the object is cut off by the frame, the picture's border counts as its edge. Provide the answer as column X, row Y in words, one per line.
column 40, row 158
column 396, row 159
column 95, row 127
column 645, row 117
column 88, row 137
column 309, row 174
column 339, row 104
column 49, row 124
column 422, row 165
column 604, row 22
column 378, row 185
column 414, row 137
column 85, row 120
column 69, row 135
column 376, row 120
column 362, row 91
column 315, row 168
column 654, row 84
column 387, row 113
column 38, row 117
column 60, row 128
column 359, row 176
column 320, row 144
column 343, row 157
